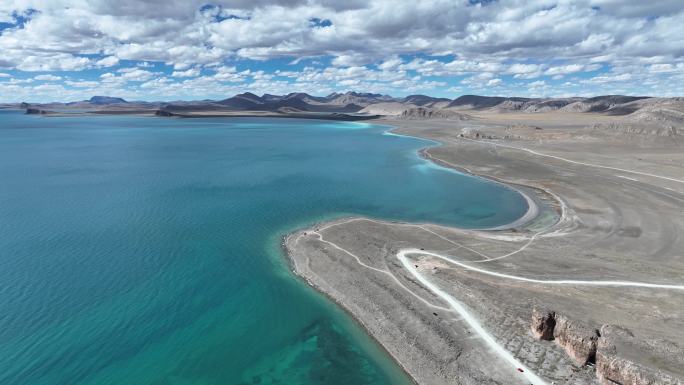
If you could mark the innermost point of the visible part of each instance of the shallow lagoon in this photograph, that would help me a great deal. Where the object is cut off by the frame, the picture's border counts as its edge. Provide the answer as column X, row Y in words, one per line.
column 142, row 250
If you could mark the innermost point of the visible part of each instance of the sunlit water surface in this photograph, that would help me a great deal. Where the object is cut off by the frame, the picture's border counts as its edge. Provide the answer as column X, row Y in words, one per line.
column 141, row 250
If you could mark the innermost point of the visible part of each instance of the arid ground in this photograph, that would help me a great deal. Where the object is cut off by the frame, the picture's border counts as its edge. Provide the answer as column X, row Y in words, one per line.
column 589, row 290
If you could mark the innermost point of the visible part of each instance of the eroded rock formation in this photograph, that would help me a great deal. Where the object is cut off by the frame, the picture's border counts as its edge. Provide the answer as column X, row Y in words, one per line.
column 578, row 340
column 618, row 355
column 543, row 323
column 614, row 367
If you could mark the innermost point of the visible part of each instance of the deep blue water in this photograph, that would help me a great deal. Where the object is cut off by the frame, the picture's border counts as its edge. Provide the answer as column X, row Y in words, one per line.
column 142, row 250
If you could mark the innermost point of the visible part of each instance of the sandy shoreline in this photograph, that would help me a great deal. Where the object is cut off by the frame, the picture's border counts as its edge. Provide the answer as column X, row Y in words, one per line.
column 405, row 317
column 534, row 205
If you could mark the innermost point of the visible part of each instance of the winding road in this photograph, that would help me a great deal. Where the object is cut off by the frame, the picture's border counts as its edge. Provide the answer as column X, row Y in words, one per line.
column 459, row 308
column 471, row 321
column 402, row 254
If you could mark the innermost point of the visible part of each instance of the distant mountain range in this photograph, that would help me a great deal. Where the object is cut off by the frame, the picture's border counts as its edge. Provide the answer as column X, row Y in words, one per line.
column 355, row 105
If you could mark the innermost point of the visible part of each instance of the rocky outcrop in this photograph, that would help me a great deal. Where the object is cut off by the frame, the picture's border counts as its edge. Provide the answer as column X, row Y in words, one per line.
column 602, row 103
column 36, row 111
column 618, row 355
column 430, row 113
column 362, row 99
column 543, row 323
column 633, row 129
column 164, row 113
column 662, row 112
column 387, row 109
column 613, row 366
column 578, row 340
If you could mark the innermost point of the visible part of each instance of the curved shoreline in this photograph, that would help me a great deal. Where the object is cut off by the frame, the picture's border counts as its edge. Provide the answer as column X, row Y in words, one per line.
column 533, row 205
column 593, row 264
column 526, row 219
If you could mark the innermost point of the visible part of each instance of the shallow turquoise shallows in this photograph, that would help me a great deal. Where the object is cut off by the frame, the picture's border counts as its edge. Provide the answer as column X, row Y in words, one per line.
column 146, row 251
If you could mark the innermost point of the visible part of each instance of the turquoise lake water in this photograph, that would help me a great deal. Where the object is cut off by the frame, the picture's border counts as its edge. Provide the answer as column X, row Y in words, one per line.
column 142, row 250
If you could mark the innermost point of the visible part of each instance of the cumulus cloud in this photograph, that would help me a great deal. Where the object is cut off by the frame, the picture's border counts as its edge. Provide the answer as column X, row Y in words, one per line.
column 47, row 77
column 135, row 74
column 189, row 73
column 378, row 44
column 108, row 61
column 525, row 71
column 189, row 31
column 494, row 82
column 571, row 69
column 82, row 84
column 608, row 79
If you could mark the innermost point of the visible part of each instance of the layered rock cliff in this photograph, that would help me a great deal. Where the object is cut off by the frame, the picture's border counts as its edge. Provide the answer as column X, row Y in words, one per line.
column 614, row 365
column 619, row 356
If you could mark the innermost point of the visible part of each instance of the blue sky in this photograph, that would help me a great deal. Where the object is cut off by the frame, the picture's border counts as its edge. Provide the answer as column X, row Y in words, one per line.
column 186, row 49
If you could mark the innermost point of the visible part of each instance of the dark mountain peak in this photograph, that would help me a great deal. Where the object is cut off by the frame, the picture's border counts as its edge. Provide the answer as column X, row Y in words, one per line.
column 614, row 99
column 249, row 96
column 363, row 94
column 106, row 100
column 477, row 101
column 298, row 95
column 293, row 102
column 303, row 96
column 242, row 101
column 270, row 97
column 421, row 100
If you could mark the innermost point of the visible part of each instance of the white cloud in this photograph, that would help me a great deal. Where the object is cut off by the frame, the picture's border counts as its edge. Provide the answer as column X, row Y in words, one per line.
column 108, row 61
column 82, row 84
column 391, row 63
column 47, row 77
column 361, row 33
column 494, row 82
column 42, row 61
column 136, row 74
column 564, row 70
column 608, row 79
column 559, row 71
column 189, row 73
column 525, row 71
column 666, row 68
column 379, row 44
column 478, row 81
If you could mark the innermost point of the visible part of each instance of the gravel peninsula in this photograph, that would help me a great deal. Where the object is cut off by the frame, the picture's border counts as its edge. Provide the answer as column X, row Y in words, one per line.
column 587, row 289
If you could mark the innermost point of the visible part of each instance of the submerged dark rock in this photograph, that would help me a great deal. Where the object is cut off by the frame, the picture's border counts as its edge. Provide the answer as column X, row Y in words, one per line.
column 164, row 113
